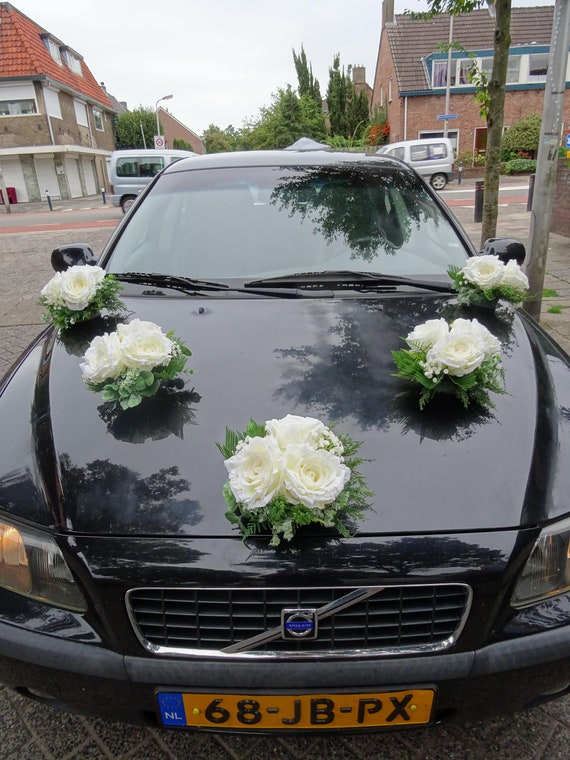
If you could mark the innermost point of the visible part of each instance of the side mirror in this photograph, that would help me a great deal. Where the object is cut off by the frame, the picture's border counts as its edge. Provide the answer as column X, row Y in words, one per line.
column 505, row 248
column 65, row 256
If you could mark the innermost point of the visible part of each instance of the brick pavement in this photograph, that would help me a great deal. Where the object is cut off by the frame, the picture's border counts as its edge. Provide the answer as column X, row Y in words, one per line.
column 34, row 731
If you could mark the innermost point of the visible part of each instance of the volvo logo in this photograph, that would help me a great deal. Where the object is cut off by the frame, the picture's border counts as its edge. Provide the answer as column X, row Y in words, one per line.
column 297, row 623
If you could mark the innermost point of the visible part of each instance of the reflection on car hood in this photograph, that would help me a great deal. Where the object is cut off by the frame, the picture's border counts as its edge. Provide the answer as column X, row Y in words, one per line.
column 156, row 469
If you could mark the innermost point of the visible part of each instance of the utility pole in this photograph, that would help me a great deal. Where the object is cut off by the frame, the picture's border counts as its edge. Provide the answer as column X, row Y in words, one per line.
column 448, row 77
column 5, row 193
column 547, row 159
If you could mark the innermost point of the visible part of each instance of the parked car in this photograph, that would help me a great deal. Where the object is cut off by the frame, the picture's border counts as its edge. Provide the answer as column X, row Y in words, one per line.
column 432, row 158
column 132, row 589
column 131, row 170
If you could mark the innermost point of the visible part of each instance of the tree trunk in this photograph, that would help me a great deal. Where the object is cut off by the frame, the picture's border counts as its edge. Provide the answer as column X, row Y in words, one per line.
column 495, row 118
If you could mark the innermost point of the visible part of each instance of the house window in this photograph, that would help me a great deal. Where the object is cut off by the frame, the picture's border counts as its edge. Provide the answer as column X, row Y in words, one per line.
column 464, row 66
column 53, row 49
column 80, row 113
column 72, row 61
column 51, row 99
column 514, row 69
column 381, row 96
column 537, row 67
column 440, row 74
column 98, row 119
column 390, row 90
column 17, row 107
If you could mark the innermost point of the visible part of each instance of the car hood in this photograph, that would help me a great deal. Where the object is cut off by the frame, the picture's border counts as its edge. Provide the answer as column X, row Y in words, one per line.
column 156, row 470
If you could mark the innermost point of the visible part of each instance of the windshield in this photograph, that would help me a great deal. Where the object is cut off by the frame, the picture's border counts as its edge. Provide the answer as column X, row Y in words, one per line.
column 259, row 222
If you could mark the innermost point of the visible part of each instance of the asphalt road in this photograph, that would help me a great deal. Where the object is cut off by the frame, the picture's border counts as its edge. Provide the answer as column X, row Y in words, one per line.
column 34, row 731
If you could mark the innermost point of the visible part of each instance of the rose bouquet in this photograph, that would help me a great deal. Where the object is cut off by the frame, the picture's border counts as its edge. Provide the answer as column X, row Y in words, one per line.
column 79, row 293
column 462, row 358
column 131, row 363
column 291, row 472
column 486, row 279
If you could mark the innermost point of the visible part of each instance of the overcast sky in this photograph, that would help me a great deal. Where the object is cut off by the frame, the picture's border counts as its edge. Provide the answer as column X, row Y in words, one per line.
column 221, row 60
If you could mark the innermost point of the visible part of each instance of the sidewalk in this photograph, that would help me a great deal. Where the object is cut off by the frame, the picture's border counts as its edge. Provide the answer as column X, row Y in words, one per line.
column 86, row 202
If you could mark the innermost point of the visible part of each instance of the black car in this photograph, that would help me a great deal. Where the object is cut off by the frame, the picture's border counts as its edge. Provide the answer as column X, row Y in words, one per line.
column 129, row 587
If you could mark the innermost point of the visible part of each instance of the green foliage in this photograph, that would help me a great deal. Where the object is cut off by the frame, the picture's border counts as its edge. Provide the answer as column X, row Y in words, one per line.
column 519, row 166
column 549, row 293
column 131, row 125
column 219, row 140
column 308, row 85
column 181, row 145
column 523, row 137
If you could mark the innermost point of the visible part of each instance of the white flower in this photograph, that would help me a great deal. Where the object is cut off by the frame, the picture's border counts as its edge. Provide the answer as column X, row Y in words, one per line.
column 458, row 354
column 425, row 336
column 255, row 472
column 484, row 271
column 477, row 332
column 78, row 286
column 103, row 359
column 144, row 345
column 313, row 477
column 513, row 276
column 52, row 290
column 293, row 429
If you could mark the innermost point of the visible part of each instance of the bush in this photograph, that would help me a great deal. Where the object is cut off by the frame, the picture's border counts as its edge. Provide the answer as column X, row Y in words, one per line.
column 520, row 166
column 522, row 137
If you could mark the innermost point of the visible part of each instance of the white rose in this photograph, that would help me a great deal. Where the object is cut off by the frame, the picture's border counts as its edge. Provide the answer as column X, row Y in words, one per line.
column 144, row 345
column 484, row 271
column 459, row 353
column 52, row 290
column 425, row 336
column 513, row 276
column 103, row 359
column 313, row 477
column 477, row 332
column 255, row 472
column 78, row 286
column 293, row 429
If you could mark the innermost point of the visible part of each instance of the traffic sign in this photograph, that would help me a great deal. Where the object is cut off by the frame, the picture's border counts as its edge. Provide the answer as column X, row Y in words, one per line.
column 159, row 141
column 568, row 140
column 447, row 116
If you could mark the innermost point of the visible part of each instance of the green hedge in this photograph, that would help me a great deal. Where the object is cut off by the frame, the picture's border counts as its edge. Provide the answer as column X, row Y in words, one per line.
column 519, row 166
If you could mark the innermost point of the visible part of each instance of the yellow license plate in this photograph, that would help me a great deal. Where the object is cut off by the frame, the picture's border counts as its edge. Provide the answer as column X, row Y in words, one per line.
column 408, row 707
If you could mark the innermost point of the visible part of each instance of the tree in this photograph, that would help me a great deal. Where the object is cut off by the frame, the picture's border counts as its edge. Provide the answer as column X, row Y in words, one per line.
column 308, row 85
column 496, row 97
column 219, row 140
column 349, row 110
column 135, row 129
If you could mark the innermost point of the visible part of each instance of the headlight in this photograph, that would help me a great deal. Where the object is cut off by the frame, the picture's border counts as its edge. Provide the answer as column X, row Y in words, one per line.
column 547, row 571
column 32, row 564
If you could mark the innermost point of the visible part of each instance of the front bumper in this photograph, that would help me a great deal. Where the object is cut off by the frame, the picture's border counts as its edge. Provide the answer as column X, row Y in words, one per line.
column 503, row 677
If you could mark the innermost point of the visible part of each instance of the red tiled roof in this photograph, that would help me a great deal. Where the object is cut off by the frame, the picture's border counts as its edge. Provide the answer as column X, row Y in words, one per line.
column 24, row 54
column 411, row 39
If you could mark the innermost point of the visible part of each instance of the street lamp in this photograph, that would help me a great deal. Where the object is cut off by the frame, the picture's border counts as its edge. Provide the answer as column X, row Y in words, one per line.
column 164, row 97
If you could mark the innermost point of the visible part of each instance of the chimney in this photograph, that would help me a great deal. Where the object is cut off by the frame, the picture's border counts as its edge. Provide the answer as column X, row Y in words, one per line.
column 387, row 12
column 359, row 75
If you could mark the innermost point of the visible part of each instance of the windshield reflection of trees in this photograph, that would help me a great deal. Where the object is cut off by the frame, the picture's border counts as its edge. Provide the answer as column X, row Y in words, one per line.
column 348, row 373
column 371, row 212
column 112, row 498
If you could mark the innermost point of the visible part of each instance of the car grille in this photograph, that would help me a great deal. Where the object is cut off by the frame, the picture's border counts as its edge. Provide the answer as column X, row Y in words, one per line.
column 392, row 620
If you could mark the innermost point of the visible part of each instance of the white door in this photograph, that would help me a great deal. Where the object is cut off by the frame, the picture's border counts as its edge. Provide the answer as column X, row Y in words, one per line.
column 47, row 178
column 89, row 175
column 73, row 179
column 13, row 177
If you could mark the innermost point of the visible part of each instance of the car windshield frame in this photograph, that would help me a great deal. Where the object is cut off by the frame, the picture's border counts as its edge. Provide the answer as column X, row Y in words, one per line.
column 253, row 222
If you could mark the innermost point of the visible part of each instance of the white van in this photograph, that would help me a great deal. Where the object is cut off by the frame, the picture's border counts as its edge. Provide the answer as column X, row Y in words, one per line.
column 432, row 158
column 130, row 170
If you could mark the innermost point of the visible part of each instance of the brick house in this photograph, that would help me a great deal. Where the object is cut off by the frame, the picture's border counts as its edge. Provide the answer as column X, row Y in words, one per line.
column 172, row 129
column 411, row 72
column 55, row 119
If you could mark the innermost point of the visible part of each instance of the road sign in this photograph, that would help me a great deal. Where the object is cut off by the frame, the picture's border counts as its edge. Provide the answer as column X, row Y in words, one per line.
column 568, row 140
column 447, row 116
column 159, row 141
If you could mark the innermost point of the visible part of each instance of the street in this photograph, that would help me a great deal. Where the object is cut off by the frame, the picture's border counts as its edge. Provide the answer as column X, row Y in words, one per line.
column 38, row 732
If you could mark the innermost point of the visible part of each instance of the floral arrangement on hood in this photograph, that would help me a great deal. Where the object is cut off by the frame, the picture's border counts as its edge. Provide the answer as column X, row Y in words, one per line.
column 79, row 293
column 131, row 363
column 290, row 472
column 484, row 280
column 462, row 358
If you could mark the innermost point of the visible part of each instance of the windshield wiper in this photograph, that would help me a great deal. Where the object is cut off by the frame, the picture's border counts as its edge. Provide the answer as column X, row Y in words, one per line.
column 191, row 285
column 176, row 282
column 346, row 278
